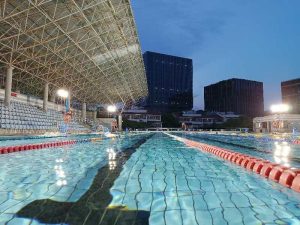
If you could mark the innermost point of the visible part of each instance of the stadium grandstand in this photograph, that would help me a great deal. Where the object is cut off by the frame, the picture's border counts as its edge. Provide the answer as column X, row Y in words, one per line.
column 88, row 48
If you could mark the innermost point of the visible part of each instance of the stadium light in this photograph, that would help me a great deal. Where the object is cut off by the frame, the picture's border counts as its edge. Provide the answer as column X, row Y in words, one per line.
column 280, row 108
column 111, row 108
column 62, row 93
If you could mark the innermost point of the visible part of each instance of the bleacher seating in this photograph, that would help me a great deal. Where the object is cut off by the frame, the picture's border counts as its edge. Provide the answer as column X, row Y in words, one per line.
column 22, row 116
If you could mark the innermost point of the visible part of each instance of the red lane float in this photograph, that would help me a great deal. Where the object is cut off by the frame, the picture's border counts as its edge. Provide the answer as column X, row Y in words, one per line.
column 285, row 176
column 276, row 173
column 245, row 162
column 266, row 169
column 288, row 176
column 296, row 183
column 296, row 142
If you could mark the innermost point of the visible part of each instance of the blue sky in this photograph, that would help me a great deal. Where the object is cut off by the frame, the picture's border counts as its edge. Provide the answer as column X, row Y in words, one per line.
column 251, row 39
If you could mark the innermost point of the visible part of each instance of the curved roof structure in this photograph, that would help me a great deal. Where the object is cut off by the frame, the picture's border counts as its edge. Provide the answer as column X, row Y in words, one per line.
column 88, row 46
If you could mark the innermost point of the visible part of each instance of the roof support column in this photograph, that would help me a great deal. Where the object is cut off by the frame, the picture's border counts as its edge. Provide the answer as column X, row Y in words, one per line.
column 95, row 115
column 83, row 113
column 52, row 98
column 70, row 99
column 120, row 120
column 8, row 84
column 46, row 93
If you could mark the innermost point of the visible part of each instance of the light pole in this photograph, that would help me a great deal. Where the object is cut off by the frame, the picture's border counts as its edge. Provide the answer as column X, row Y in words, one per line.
column 111, row 109
column 63, row 94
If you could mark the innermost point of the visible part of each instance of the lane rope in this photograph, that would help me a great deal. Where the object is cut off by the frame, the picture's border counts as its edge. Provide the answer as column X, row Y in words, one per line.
column 288, row 177
column 28, row 147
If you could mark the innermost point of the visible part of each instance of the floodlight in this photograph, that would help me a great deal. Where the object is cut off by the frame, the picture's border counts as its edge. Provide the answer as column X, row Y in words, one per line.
column 111, row 108
column 62, row 93
column 280, row 108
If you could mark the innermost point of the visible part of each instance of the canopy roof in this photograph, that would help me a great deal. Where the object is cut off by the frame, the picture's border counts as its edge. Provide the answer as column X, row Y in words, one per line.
column 90, row 47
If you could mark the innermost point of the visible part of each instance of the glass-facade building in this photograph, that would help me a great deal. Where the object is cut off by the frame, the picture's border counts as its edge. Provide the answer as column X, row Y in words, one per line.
column 290, row 91
column 243, row 97
column 170, row 82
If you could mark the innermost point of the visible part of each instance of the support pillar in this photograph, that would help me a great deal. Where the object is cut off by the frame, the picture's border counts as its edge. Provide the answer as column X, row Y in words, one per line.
column 46, row 93
column 120, row 122
column 95, row 115
column 8, row 84
column 52, row 98
column 83, row 113
column 70, row 99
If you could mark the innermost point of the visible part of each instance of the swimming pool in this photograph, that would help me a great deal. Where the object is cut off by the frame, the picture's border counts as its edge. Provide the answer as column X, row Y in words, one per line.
column 138, row 179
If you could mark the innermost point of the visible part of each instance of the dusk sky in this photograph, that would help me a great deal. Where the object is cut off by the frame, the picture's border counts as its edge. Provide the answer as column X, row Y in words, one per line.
column 257, row 39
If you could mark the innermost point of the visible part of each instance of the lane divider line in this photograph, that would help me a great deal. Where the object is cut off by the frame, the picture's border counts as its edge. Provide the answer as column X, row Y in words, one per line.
column 28, row 147
column 288, row 177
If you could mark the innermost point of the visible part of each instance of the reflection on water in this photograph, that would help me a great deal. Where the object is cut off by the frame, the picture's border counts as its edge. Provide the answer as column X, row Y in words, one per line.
column 111, row 158
column 60, row 173
column 282, row 153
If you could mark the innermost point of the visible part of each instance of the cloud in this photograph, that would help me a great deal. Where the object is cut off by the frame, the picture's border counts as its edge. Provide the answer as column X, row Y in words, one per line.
column 176, row 26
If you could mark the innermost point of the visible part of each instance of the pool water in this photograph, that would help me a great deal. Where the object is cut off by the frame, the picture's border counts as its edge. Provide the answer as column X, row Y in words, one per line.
column 137, row 179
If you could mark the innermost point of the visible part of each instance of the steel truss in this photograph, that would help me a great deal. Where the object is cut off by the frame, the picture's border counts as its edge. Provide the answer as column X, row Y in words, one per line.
column 90, row 47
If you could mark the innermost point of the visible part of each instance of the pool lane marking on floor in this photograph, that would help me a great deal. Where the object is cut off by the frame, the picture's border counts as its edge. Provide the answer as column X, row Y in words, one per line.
column 288, row 177
column 94, row 204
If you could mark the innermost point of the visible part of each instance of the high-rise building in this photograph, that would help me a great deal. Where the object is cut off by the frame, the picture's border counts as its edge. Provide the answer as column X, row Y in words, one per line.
column 244, row 97
column 290, row 91
column 170, row 82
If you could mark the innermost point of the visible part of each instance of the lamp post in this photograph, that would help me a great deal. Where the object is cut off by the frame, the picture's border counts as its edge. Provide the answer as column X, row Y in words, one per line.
column 111, row 109
column 62, row 93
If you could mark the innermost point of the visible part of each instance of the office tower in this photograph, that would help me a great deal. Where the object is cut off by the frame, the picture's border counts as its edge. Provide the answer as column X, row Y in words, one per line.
column 290, row 91
column 244, row 97
column 170, row 82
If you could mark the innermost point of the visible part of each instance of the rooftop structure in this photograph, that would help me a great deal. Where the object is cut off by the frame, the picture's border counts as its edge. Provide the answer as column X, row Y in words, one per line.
column 88, row 47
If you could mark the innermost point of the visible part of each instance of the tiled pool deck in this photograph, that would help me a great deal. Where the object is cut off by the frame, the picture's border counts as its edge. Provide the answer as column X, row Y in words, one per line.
column 174, row 183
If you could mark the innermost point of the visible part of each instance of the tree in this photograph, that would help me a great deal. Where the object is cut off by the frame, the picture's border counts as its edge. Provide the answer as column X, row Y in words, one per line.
column 169, row 120
column 241, row 122
column 134, row 125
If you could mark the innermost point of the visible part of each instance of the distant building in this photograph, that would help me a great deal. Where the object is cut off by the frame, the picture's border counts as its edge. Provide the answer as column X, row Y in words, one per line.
column 170, row 82
column 142, row 115
column 195, row 120
column 244, row 97
column 290, row 91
